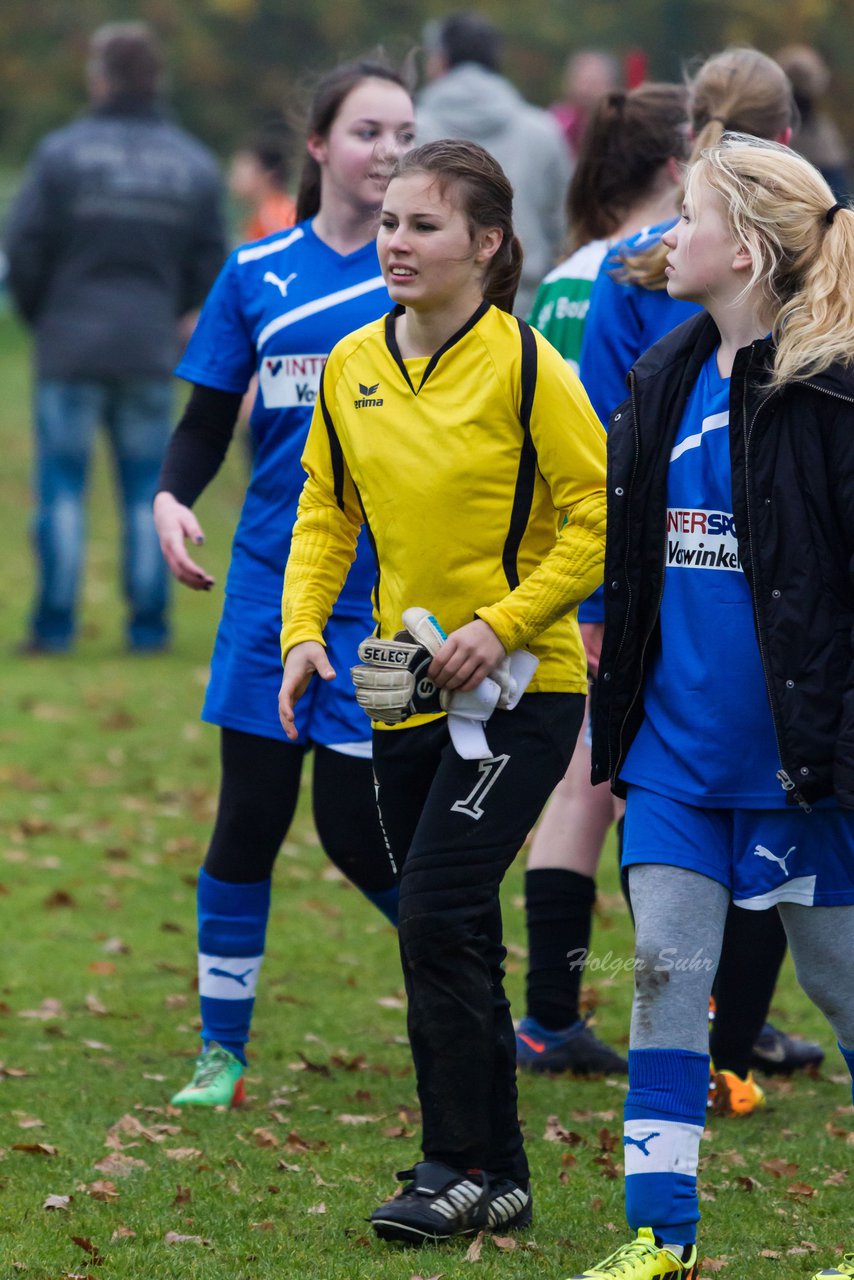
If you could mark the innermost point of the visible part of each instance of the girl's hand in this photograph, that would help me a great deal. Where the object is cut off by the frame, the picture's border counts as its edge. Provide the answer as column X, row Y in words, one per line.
column 466, row 657
column 300, row 665
column 175, row 523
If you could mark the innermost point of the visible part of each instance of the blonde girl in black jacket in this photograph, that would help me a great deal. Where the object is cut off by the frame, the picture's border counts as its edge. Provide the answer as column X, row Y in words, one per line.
column 726, row 711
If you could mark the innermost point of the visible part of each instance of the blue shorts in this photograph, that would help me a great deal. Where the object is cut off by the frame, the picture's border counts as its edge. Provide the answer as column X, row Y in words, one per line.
column 246, row 672
column 763, row 856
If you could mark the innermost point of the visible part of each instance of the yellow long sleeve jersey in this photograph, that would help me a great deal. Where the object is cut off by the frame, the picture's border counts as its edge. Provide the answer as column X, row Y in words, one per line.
column 480, row 473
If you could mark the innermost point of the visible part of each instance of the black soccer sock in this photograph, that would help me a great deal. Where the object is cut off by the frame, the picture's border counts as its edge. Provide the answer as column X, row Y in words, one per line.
column 753, row 949
column 559, row 909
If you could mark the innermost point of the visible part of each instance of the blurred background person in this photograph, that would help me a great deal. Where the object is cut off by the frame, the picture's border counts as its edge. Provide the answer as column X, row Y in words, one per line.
column 588, row 76
column 467, row 97
column 115, row 236
column 816, row 135
column 258, row 179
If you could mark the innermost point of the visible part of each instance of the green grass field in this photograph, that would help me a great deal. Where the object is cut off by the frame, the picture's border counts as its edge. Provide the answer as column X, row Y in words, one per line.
column 108, row 784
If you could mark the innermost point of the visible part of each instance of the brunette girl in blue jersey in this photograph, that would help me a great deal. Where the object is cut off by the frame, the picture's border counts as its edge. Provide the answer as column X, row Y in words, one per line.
column 278, row 307
column 729, row 607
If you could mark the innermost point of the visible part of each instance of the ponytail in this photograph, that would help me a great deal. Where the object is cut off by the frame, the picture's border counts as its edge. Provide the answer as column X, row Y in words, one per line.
column 739, row 90
column 501, row 281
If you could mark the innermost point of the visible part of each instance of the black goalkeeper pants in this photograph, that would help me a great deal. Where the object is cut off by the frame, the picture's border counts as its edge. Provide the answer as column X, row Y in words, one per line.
column 455, row 826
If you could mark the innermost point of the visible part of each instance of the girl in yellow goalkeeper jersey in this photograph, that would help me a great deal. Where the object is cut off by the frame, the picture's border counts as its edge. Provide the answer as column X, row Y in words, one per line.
column 469, row 449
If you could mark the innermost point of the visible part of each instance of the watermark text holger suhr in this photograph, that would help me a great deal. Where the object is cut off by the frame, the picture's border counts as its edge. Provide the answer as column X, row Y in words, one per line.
column 668, row 960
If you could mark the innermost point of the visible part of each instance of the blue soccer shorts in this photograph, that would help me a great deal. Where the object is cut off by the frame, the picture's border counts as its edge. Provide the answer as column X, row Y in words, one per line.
column 763, row 856
column 246, row 672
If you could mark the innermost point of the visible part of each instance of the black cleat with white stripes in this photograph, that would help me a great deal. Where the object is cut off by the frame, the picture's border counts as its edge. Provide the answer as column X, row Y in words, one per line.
column 438, row 1202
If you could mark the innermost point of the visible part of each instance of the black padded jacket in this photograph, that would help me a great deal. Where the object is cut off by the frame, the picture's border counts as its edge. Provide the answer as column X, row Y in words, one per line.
column 792, row 454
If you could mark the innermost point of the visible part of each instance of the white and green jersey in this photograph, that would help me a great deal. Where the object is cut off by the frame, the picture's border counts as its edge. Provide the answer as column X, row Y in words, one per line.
column 562, row 301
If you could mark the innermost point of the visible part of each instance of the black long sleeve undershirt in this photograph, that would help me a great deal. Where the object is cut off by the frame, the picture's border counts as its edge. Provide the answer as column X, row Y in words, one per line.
column 199, row 443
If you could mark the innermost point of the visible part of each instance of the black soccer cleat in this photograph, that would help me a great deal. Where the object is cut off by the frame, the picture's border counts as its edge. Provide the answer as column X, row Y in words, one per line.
column 437, row 1202
column 777, row 1053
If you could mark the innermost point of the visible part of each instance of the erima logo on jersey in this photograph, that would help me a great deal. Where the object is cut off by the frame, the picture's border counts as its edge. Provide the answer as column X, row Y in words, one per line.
column 699, row 539
column 368, row 393
column 288, row 382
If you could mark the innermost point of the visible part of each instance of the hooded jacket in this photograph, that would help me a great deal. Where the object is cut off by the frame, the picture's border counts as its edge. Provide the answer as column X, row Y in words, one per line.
column 792, row 455
column 471, row 102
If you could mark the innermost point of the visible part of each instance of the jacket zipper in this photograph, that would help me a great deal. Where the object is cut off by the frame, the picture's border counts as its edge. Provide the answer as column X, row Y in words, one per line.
column 783, row 776
column 612, row 773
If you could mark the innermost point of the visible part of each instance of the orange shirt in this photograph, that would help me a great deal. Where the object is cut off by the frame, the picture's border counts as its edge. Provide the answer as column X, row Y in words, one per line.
column 274, row 213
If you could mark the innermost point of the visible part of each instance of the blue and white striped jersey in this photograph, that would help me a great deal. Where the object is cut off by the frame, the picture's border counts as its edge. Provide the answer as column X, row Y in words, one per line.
column 277, row 308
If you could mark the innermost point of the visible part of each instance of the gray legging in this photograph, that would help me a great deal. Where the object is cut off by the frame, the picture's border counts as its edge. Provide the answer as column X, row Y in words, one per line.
column 679, row 925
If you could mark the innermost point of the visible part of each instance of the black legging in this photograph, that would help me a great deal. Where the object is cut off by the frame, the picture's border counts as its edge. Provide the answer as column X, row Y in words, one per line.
column 258, row 798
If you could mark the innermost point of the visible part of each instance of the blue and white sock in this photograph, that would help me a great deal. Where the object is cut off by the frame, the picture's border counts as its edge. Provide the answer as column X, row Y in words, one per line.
column 386, row 901
column 848, row 1055
column 665, row 1114
column 232, row 928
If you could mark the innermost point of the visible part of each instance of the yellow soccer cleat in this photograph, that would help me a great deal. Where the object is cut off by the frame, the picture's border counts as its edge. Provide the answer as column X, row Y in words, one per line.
column 643, row 1259
column 732, row 1096
column 845, row 1268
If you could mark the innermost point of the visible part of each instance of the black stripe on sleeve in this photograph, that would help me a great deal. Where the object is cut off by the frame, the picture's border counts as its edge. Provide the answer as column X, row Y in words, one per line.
column 524, row 493
column 334, row 448
column 371, row 540
column 200, row 442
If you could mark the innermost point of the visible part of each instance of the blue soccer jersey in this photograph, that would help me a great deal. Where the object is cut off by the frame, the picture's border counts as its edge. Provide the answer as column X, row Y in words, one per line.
column 277, row 308
column 707, row 737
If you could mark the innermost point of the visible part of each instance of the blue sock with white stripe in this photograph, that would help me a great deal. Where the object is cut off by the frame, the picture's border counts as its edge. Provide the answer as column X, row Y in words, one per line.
column 665, row 1114
column 232, row 928
column 848, row 1055
column 385, row 900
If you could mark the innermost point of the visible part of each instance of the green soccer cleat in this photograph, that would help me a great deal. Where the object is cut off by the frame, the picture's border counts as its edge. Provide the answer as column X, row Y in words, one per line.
column 217, row 1081
column 844, row 1268
column 643, row 1259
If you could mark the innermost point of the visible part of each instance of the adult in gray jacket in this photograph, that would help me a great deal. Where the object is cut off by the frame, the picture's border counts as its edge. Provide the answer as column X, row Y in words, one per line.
column 468, row 98
column 115, row 236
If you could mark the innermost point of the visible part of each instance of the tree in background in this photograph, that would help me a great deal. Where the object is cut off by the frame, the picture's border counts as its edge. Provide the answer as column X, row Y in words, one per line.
column 236, row 61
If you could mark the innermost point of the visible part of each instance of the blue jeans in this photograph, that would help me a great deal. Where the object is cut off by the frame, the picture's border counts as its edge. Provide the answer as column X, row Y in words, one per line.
column 136, row 413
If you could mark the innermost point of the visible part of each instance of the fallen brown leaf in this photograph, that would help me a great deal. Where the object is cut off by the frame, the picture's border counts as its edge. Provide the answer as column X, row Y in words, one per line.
column 475, row 1248
column 35, row 1148
column 183, row 1195
column 104, row 968
column 95, row 1255
column 608, row 1141
column 713, row 1264
column 505, row 1243
column 747, row 1183
column 555, row 1132
column 346, row 1118
column 267, row 1225
column 779, row 1167
column 101, row 1190
column 58, row 1202
column 769, row 1253
column 59, row 898
column 836, row 1179
column 118, row 1165
column 317, row 1208
column 122, row 1233
column 800, row 1191
column 182, row 1153
column 265, row 1138
column 93, row 1004
column 175, row 1237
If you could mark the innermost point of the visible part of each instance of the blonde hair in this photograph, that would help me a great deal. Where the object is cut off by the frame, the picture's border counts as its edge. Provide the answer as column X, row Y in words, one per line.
column 741, row 91
column 802, row 246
